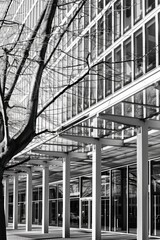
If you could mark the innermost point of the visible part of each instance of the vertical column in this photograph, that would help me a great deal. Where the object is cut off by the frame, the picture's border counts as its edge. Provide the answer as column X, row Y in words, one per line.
column 15, row 201
column 142, row 183
column 45, row 199
column 29, row 200
column 96, row 192
column 6, row 196
column 66, row 197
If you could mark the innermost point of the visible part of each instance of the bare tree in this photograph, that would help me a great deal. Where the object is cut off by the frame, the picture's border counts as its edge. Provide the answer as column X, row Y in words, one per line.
column 24, row 64
column 27, row 57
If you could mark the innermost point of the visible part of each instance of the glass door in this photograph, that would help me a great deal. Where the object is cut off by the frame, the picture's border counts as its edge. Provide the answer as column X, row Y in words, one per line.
column 155, row 198
column 105, row 214
column 86, row 213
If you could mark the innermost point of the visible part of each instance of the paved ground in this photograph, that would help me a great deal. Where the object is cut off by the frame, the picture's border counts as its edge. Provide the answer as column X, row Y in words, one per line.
column 55, row 233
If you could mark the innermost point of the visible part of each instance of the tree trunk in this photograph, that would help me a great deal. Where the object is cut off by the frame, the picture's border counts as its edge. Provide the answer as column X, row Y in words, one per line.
column 2, row 215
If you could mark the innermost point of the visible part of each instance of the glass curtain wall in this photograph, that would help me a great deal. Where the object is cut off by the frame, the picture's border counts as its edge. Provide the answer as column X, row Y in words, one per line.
column 155, row 198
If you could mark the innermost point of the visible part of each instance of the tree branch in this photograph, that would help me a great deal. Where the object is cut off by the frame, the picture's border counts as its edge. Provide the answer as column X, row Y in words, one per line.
column 25, row 56
column 62, row 34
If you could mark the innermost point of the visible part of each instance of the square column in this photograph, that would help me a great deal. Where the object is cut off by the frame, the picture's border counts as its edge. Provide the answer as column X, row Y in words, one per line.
column 142, row 183
column 6, row 197
column 45, row 199
column 96, row 192
column 66, row 197
column 15, row 201
column 29, row 200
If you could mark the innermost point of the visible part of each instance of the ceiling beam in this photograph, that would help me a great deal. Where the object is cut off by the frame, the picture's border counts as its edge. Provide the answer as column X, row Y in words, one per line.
column 93, row 140
column 154, row 124
column 130, row 121
column 50, row 153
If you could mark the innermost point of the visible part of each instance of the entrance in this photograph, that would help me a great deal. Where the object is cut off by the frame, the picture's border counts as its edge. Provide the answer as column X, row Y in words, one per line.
column 86, row 213
column 105, row 214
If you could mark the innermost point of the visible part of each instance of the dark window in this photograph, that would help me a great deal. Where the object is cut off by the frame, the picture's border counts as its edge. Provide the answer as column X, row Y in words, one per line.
column 150, row 4
column 127, row 14
column 138, row 53
column 108, row 25
column 150, row 46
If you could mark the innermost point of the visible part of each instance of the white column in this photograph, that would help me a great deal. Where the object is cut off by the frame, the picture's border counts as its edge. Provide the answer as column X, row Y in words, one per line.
column 45, row 199
column 6, row 196
column 142, row 183
column 66, row 197
column 15, row 201
column 96, row 192
column 29, row 200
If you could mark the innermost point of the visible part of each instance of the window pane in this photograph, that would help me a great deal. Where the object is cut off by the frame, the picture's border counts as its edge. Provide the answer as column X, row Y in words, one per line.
column 137, row 10
column 132, row 199
column 86, row 187
column 119, row 200
column 117, row 20
column 138, row 53
column 138, row 108
column 93, row 9
column 86, row 92
column 100, row 35
column 117, row 69
column 155, row 197
column 150, row 46
column 151, row 100
column 127, row 14
column 100, row 81
column 127, row 62
column 100, row 5
column 108, row 23
column 108, row 75
column 86, row 13
column 93, row 79
column 93, row 42
column 150, row 4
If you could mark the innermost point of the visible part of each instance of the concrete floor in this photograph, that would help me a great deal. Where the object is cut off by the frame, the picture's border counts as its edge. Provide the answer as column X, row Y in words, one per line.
column 55, row 233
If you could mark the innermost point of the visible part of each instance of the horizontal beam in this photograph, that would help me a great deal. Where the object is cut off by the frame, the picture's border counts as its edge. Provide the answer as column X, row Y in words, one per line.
column 50, row 153
column 92, row 140
column 111, row 142
column 82, row 139
column 154, row 124
column 78, row 155
column 130, row 121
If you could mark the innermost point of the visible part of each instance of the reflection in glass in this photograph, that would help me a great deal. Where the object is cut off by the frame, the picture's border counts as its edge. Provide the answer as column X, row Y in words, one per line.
column 119, row 200
column 138, row 53
column 150, row 4
column 108, row 30
column 53, row 213
column 86, row 187
column 150, row 46
column 132, row 199
column 105, row 201
column 100, row 90
column 151, row 100
column 74, row 213
column 137, row 10
column 108, row 75
column 138, row 108
column 100, row 35
column 127, row 14
column 93, row 85
column 117, row 69
column 127, row 70
column 117, row 20
column 155, row 198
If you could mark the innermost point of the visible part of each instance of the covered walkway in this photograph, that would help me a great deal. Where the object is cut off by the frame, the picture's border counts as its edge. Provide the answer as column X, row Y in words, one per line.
column 55, row 233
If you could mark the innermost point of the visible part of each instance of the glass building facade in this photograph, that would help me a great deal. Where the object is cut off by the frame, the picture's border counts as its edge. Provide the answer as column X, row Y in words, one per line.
column 119, row 42
column 118, row 201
